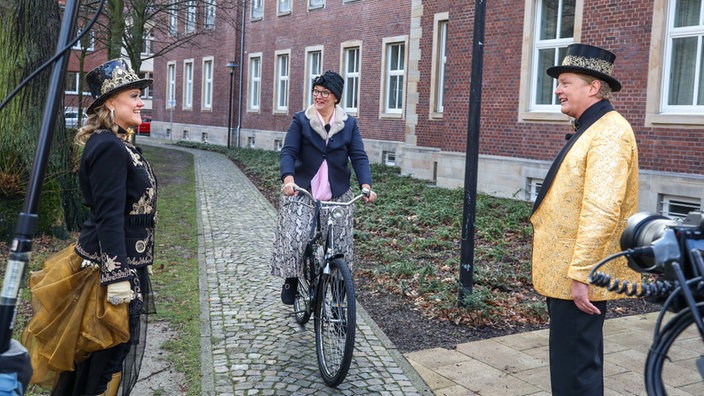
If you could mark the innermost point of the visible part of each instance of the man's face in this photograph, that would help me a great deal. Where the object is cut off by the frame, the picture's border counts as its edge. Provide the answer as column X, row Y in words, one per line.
column 575, row 94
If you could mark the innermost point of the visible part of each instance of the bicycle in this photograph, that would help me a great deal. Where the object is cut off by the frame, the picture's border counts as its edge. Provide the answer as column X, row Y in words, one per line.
column 674, row 251
column 326, row 291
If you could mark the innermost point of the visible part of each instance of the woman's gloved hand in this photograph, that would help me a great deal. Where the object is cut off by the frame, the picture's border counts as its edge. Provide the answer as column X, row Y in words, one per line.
column 120, row 293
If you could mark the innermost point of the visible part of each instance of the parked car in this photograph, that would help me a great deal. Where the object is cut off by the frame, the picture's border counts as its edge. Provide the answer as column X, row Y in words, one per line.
column 71, row 118
column 145, row 127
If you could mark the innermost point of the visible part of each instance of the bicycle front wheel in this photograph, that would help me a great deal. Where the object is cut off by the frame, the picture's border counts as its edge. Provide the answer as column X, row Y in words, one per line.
column 335, row 321
column 677, row 354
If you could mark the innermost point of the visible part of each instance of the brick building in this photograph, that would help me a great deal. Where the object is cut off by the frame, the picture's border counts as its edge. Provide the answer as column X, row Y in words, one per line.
column 407, row 66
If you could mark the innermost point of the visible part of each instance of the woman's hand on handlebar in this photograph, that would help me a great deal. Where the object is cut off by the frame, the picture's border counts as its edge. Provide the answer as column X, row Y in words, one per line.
column 369, row 195
column 289, row 187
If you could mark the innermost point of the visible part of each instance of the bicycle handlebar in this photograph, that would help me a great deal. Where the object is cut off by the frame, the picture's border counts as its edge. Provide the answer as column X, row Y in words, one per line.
column 365, row 193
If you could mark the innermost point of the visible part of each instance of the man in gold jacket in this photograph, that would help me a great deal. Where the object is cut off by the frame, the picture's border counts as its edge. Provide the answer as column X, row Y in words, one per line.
column 588, row 194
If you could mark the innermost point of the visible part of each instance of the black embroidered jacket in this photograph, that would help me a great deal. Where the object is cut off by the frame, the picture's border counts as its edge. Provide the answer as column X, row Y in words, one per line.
column 120, row 189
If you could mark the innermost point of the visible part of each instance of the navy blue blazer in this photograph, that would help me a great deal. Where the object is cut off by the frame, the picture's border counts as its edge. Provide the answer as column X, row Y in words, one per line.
column 305, row 149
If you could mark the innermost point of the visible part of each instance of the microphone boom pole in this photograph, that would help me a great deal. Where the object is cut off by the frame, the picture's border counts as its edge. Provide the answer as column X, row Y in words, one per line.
column 21, row 246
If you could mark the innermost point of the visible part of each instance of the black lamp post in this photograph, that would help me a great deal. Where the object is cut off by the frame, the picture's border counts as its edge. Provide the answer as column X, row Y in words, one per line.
column 231, row 66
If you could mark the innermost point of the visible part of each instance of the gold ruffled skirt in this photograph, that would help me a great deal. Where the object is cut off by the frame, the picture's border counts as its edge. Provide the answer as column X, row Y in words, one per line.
column 72, row 317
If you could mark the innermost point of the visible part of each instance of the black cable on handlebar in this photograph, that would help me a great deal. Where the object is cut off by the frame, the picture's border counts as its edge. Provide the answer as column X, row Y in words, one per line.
column 53, row 59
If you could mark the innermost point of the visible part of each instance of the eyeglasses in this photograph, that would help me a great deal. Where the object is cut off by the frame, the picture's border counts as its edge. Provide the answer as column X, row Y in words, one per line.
column 324, row 94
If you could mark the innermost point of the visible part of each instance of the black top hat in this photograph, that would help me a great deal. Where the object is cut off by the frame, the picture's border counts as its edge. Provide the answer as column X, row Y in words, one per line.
column 590, row 60
column 110, row 78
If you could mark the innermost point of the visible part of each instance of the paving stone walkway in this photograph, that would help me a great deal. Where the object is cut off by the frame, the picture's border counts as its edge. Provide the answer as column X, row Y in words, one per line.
column 250, row 342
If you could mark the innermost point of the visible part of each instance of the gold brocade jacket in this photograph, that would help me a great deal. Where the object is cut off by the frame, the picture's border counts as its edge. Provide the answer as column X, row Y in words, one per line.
column 585, row 209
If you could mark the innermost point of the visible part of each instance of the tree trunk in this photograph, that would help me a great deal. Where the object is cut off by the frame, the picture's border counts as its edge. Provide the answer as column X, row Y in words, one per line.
column 28, row 37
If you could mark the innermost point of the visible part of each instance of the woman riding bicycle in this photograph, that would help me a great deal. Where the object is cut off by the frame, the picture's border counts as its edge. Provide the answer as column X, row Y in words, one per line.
column 320, row 143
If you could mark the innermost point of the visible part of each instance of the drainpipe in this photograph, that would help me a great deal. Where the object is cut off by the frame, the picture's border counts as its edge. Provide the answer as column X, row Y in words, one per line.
column 239, row 84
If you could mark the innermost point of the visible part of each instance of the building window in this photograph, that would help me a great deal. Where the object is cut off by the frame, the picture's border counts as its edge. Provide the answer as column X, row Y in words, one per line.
column 394, row 68
column 314, row 62
column 389, row 158
column 147, row 91
column 683, row 69
column 207, row 84
column 313, row 4
column 86, row 41
column 204, row 137
column 255, row 81
column 554, row 26
column 438, row 68
column 184, row 135
column 284, row 7
column 533, row 188
column 250, row 141
column 278, row 144
column 257, row 7
column 678, row 206
column 350, row 95
column 188, row 84
column 209, row 14
column 190, row 16
column 173, row 20
column 171, row 85
column 281, row 98
column 73, row 82
column 148, row 43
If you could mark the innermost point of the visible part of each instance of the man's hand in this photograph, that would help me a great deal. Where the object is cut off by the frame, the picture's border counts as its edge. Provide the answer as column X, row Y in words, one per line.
column 580, row 296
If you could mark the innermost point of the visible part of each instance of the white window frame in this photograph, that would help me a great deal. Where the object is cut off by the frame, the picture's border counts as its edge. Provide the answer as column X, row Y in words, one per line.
column 172, row 27
column 559, row 46
column 146, row 91
column 191, row 14
column 281, row 80
column 533, row 186
column 316, row 4
column 388, row 158
column 170, row 85
column 209, row 14
column 255, row 82
column 91, row 41
column 207, row 84
column 75, row 83
column 389, row 75
column 283, row 7
column 528, row 112
column 314, row 68
column 148, row 43
column 257, row 10
column 437, row 72
column 666, row 201
column 673, row 33
column 655, row 117
column 351, row 72
column 187, row 84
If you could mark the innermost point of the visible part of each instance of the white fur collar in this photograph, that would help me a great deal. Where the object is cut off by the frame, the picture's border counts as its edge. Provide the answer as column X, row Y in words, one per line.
column 335, row 126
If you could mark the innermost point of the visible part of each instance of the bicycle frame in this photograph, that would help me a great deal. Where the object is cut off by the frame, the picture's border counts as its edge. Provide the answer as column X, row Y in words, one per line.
column 329, row 250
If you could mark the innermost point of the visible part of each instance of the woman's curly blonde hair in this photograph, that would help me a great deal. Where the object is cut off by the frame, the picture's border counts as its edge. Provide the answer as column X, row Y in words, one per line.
column 101, row 118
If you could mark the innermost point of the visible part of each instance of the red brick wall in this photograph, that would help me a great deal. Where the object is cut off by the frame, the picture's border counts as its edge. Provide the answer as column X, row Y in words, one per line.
column 368, row 21
column 624, row 28
column 222, row 44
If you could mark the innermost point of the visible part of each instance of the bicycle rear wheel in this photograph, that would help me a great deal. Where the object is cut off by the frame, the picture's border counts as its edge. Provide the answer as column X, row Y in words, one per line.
column 335, row 321
column 301, row 303
column 678, row 353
